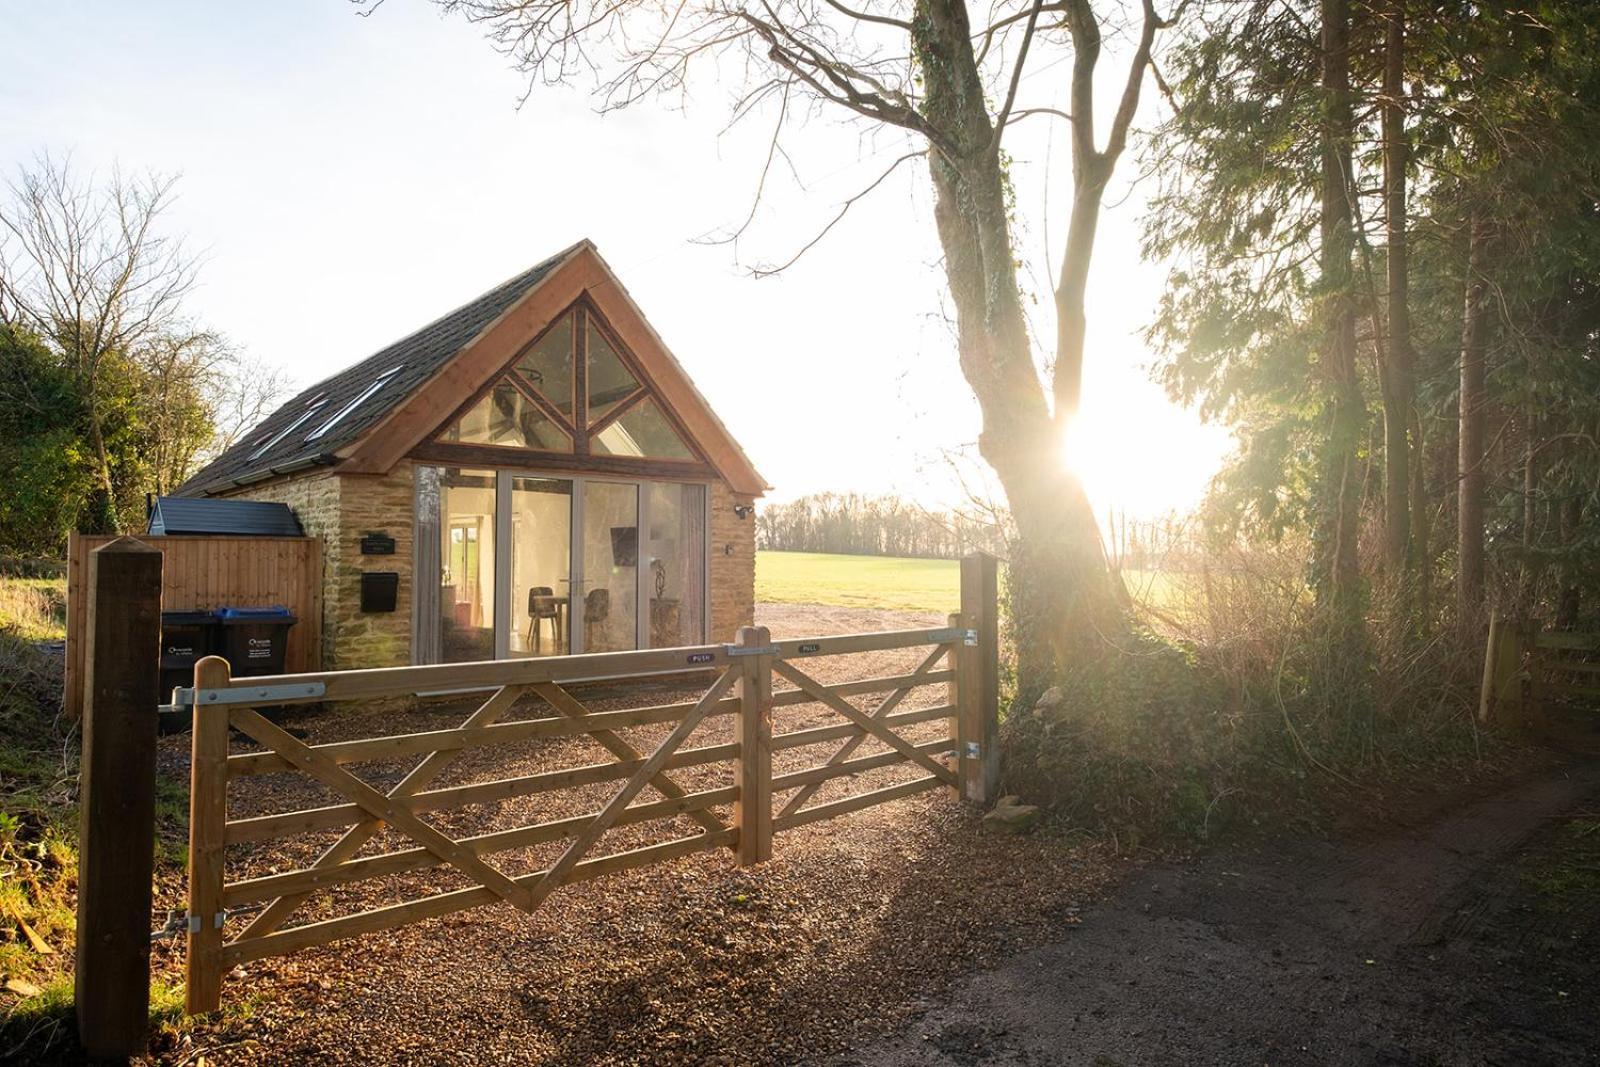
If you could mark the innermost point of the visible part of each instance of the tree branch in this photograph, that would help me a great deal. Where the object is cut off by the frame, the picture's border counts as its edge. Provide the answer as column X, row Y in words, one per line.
column 767, row 272
column 1004, row 116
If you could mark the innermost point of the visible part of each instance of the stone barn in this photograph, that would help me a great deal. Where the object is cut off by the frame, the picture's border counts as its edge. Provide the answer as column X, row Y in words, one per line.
column 532, row 474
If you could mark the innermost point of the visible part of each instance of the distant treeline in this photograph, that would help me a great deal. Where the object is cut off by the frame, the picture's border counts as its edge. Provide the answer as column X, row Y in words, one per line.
column 853, row 524
column 1171, row 542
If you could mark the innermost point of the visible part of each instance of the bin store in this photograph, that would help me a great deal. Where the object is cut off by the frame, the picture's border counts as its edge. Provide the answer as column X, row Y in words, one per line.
column 251, row 639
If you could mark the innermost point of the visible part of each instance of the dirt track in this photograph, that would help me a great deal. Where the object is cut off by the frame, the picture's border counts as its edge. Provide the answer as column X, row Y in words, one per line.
column 1421, row 947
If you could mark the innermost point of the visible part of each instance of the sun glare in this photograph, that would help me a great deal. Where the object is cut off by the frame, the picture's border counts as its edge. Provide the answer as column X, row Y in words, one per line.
column 1145, row 467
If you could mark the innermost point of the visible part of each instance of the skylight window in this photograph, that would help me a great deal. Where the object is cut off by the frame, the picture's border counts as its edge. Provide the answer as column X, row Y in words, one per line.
column 311, row 409
column 361, row 398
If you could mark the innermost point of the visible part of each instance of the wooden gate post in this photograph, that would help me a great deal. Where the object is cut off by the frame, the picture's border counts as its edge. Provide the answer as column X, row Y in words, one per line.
column 1491, row 664
column 752, row 813
column 1501, row 697
column 208, row 816
column 117, row 790
column 978, row 682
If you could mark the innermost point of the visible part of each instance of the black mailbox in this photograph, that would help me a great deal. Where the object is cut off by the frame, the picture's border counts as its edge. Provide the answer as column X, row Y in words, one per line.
column 379, row 590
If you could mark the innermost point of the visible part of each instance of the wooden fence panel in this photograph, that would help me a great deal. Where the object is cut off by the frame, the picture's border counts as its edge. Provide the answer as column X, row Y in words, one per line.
column 199, row 573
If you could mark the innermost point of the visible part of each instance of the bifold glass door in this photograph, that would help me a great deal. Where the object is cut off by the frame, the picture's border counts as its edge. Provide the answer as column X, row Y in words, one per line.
column 510, row 564
column 675, row 550
column 610, row 585
column 541, row 567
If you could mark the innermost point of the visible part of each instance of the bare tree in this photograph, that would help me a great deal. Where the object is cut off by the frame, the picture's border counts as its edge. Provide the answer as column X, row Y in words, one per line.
column 241, row 394
column 953, row 87
column 202, row 395
column 86, row 267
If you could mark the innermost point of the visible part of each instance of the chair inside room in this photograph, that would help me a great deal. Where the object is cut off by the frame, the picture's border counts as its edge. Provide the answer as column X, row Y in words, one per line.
column 542, row 605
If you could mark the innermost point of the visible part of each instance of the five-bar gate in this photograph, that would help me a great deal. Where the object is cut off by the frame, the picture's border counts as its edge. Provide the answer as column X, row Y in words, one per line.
column 708, row 762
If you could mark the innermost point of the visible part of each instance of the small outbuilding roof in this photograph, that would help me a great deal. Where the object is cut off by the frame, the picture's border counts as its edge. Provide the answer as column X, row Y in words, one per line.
column 211, row 515
column 338, row 420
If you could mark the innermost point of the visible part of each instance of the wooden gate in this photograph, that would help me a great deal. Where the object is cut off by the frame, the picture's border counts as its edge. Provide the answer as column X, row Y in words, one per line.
column 233, row 922
column 1528, row 667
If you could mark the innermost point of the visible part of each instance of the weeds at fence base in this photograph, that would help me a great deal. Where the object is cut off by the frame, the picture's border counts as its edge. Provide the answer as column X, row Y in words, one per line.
column 1240, row 707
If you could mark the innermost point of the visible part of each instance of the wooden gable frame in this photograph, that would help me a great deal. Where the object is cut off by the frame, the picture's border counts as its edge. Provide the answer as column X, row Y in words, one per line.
column 582, row 279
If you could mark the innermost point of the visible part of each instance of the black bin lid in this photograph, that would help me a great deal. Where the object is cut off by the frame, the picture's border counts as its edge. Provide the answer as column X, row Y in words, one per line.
column 237, row 616
column 187, row 618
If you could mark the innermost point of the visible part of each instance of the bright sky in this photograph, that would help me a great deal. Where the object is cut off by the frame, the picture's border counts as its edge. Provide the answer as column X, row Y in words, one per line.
column 349, row 179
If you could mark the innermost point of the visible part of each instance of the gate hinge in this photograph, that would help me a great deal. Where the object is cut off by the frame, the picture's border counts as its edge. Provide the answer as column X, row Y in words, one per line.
column 178, row 923
column 248, row 694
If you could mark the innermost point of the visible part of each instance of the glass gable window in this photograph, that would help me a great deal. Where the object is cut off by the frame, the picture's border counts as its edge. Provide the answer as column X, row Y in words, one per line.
column 507, row 418
column 610, row 381
column 547, row 365
column 539, row 403
column 641, row 431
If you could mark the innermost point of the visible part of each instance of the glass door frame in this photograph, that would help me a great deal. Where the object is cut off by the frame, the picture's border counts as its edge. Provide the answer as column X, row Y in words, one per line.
column 645, row 592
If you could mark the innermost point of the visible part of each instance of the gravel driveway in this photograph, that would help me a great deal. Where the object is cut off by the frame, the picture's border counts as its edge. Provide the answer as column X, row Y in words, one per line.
column 847, row 930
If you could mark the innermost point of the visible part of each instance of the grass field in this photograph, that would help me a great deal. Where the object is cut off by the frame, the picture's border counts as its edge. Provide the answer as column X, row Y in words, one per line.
column 885, row 582
column 895, row 583
column 34, row 609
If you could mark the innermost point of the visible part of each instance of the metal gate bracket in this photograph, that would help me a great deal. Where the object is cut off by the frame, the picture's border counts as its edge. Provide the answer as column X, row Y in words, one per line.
column 248, row 694
column 751, row 650
column 973, row 751
column 969, row 638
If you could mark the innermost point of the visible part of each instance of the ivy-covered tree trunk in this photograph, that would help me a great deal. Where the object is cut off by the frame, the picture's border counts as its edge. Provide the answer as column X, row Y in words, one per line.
column 1336, row 564
column 100, row 510
column 1062, row 596
column 1399, row 360
column 1471, row 400
column 1064, row 599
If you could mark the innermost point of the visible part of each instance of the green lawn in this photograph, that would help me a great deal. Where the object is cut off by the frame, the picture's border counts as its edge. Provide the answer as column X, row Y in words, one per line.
column 897, row 584
column 886, row 582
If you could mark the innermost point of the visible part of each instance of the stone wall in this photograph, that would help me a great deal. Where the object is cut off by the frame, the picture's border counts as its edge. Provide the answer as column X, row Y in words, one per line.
column 340, row 509
column 733, row 564
column 369, row 504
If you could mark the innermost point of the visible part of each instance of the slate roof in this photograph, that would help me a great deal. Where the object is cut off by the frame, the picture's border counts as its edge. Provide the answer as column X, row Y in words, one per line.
column 419, row 356
column 200, row 515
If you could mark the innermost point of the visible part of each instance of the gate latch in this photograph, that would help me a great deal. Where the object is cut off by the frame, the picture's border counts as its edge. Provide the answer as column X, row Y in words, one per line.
column 969, row 638
column 973, row 751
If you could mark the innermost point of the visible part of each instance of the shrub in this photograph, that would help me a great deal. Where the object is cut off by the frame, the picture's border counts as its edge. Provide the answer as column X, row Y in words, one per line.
column 1236, row 700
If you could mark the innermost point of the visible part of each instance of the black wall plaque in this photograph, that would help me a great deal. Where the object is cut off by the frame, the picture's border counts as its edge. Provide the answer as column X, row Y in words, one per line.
column 377, row 544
